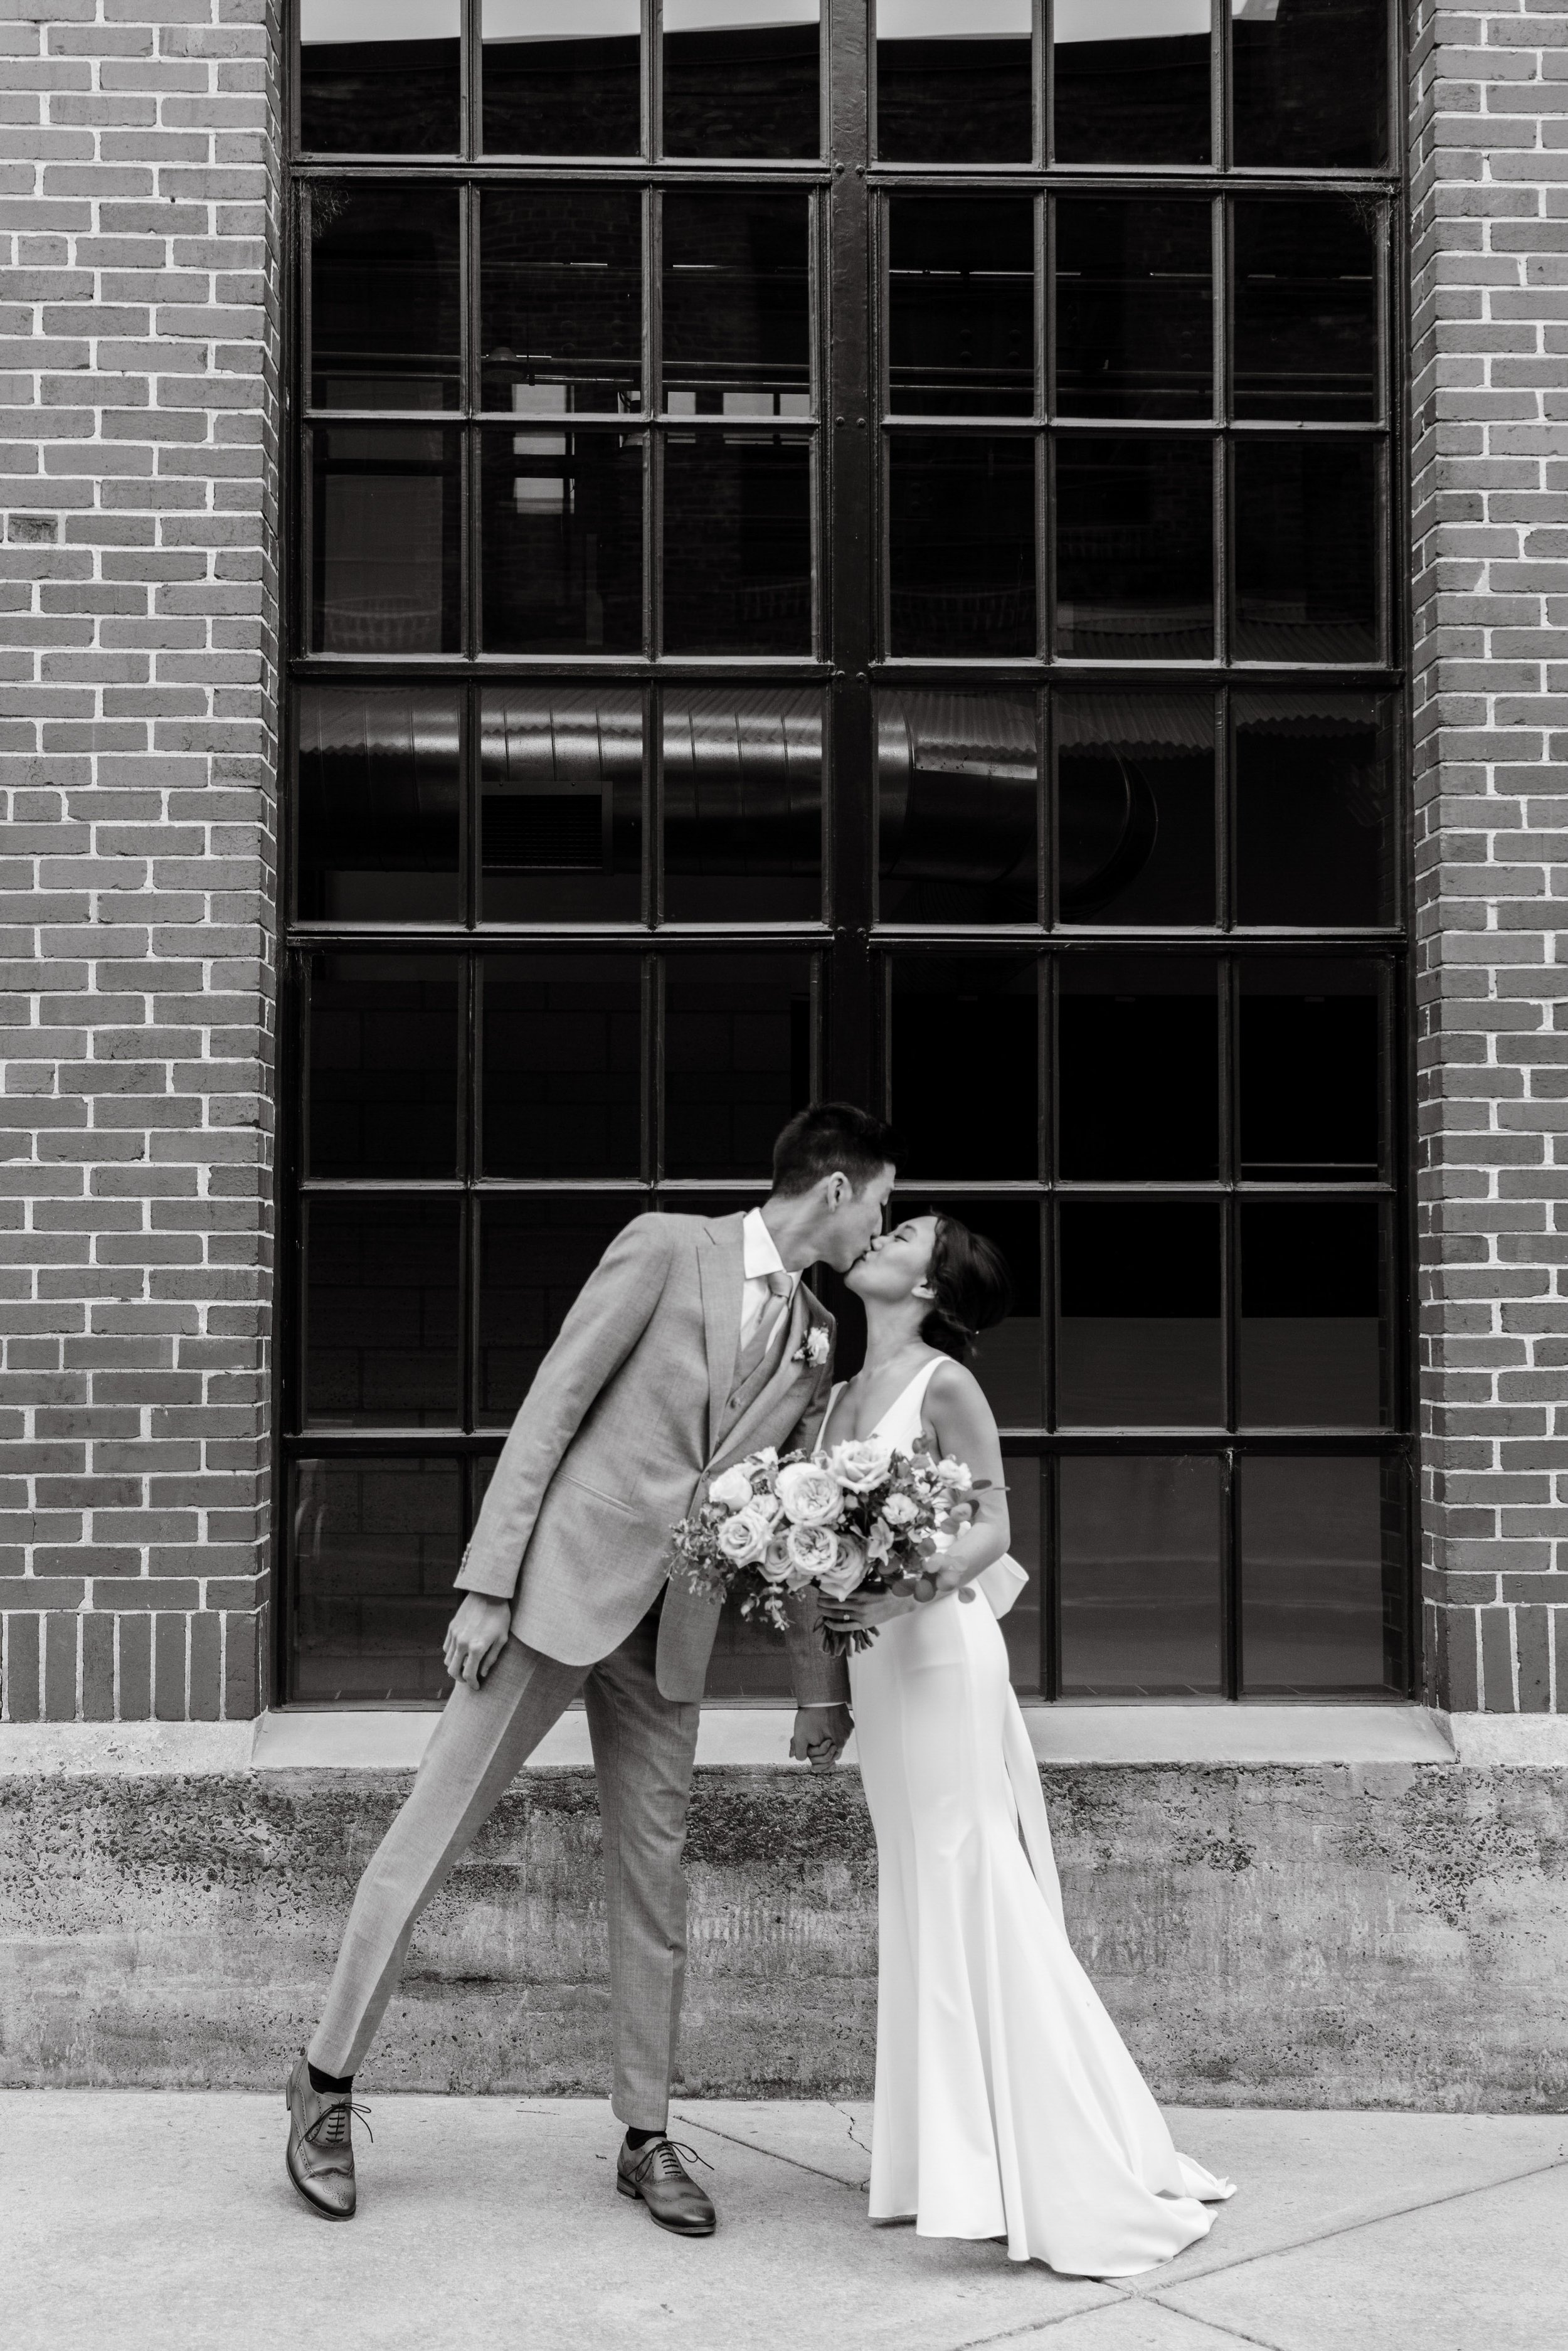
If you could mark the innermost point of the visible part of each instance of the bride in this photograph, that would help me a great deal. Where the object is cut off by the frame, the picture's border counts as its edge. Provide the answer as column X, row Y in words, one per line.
column 1006, row 2105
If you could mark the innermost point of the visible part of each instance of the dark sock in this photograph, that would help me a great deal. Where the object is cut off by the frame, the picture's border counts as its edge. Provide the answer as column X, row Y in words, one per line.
column 321, row 2083
column 636, row 2139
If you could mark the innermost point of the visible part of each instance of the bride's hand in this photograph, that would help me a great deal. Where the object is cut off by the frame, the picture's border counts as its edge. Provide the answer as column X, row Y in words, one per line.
column 863, row 1609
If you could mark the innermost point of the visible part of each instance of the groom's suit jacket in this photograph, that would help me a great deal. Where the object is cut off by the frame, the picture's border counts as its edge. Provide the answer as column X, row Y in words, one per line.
column 634, row 1409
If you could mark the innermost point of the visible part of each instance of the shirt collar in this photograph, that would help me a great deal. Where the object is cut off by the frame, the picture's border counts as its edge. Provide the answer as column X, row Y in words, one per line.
column 759, row 1257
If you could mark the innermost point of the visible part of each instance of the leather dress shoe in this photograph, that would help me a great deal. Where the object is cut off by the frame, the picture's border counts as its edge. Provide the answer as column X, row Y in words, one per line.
column 657, row 2174
column 321, row 2155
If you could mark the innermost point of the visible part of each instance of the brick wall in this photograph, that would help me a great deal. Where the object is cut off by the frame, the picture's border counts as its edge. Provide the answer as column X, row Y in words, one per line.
column 139, row 321
column 1489, row 206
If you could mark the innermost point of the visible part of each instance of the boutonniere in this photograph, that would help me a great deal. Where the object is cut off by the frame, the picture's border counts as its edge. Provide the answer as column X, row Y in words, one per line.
column 812, row 1350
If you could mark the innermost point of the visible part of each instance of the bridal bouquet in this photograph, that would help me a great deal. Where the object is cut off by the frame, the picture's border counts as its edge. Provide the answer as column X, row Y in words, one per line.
column 862, row 1516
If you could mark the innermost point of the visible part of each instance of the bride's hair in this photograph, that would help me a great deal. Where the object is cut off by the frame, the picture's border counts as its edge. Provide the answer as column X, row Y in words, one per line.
column 972, row 1285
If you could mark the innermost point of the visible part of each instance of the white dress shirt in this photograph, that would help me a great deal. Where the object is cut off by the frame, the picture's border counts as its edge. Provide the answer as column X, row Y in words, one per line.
column 758, row 1259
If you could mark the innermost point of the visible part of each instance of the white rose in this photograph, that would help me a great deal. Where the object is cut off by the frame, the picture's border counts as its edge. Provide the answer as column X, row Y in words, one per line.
column 861, row 1463
column 774, row 1564
column 811, row 1552
column 768, row 1505
column 900, row 1511
column 848, row 1570
column 810, row 1494
column 956, row 1474
column 744, row 1538
column 731, row 1490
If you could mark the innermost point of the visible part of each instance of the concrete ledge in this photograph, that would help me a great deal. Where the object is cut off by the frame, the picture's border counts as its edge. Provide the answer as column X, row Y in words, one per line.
column 1517, row 1739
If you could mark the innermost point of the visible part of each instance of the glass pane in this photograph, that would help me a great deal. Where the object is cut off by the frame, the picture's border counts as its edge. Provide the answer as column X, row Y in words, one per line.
column 535, row 1254
column 1323, row 1578
column 738, row 1060
column 1311, row 1078
column 1135, row 549
column 1008, row 1360
column 379, row 76
column 384, row 279
column 563, row 1065
column 960, row 331
column 1315, row 1327
column 740, row 78
column 965, row 1065
column 562, row 77
column 1316, row 832
column 1311, row 81
column 1139, row 1076
column 737, row 307
column 385, row 1057
column 961, row 543
column 1141, row 1593
column 561, row 299
column 1021, row 1625
column 1135, row 807
column 379, row 784
column 1306, row 307
column 737, row 543
column 1306, row 551
column 561, row 540
column 749, row 1664
column 377, row 1543
column 560, row 773
column 743, row 805
column 1138, row 1333
column 1131, row 81
column 953, row 84
column 381, row 1312
column 1134, row 308
column 387, row 536
column 958, row 798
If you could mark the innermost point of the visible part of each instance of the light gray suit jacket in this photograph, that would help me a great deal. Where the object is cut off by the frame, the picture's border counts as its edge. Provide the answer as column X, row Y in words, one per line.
column 633, row 1410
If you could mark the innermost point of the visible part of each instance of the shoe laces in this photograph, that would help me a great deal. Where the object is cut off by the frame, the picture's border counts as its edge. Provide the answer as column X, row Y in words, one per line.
column 663, row 2160
column 333, row 2126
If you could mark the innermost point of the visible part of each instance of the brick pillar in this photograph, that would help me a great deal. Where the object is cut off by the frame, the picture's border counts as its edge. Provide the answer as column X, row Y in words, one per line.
column 1489, row 325
column 139, row 223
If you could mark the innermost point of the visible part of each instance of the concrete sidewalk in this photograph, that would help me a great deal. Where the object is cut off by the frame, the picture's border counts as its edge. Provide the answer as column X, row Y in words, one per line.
column 135, row 2218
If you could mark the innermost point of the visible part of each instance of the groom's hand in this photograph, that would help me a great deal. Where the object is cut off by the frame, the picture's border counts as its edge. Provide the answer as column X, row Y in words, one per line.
column 475, row 1637
column 822, row 1734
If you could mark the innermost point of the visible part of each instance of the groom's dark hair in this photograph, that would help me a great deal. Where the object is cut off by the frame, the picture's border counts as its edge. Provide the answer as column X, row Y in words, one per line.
column 828, row 1138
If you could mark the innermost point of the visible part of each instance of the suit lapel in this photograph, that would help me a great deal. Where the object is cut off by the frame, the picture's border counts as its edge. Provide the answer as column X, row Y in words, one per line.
column 776, row 1397
column 721, row 1269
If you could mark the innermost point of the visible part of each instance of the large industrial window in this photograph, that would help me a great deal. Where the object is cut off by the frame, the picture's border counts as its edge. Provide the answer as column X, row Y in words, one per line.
column 854, row 550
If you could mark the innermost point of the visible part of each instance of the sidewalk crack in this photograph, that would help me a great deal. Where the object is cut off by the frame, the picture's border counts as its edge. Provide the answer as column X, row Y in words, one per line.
column 753, row 2147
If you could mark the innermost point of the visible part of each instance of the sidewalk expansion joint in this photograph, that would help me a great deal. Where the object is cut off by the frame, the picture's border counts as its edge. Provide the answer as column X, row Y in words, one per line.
column 752, row 2146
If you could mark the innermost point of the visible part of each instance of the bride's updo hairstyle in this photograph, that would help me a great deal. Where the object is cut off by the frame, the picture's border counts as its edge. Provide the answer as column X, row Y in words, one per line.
column 972, row 1285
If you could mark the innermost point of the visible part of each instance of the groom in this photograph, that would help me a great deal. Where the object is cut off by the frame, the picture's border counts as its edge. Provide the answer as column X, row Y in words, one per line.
column 694, row 1342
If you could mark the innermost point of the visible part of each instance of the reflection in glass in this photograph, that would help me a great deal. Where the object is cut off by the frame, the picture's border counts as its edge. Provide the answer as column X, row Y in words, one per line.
column 561, row 539
column 1306, row 307
column 379, row 76
column 378, row 793
column 1008, row 1359
column 1135, row 549
column 952, row 86
column 561, row 76
column 958, row 806
column 561, row 1070
column 381, row 1312
column 1323, row 1578
column 1135, row 307
column 738, row 1060
column 737, row 313
column 1138, row 1331
column 743, row 805
column 1132, row 81
column 384, row 278
column 1311, row 1053
column 1306, row 560
column 1139, row 1574
column 737, row 543
column 740, row 78
column 1310, row 82
column 561, row 299
column 1312, row 1337
column 535, row 1251
column 961, row 543
column 561, row 774
column 382, row 1063
column 960, row 331
column 387, row 534
column 966, row 1058
column 1135, row 807
column 1138, row 1078
column 376, row 1542
column 1316, row 836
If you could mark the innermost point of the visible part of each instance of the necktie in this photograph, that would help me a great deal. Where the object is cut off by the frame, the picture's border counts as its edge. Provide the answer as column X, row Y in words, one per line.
column 763, row 1331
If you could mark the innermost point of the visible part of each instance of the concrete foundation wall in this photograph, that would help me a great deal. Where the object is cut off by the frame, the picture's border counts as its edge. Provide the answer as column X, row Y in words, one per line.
column 1326, row 1935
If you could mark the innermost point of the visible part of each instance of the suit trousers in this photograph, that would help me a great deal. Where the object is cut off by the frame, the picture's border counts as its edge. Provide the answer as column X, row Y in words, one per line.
column 643, row 1749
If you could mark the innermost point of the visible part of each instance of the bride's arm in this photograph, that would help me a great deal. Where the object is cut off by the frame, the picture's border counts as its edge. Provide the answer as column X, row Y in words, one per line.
column 964, row 1429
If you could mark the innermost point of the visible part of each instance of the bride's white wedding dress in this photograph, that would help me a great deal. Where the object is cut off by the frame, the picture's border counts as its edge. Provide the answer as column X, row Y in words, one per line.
column 1006, row 2105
